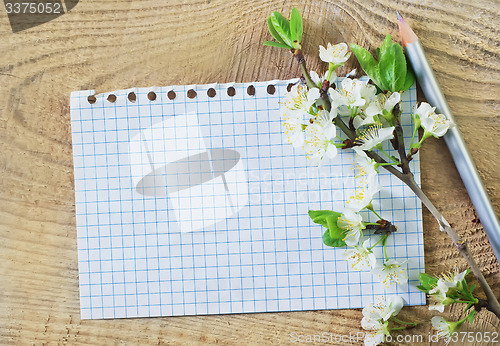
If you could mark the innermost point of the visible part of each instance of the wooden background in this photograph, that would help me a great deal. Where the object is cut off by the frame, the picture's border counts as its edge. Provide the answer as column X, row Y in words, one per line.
column 110, row 45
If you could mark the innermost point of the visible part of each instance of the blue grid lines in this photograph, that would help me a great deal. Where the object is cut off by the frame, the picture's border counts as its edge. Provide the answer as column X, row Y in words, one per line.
column 157, row 242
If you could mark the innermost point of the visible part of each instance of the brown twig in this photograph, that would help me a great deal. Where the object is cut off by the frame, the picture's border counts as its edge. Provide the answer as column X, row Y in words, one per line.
column 461, row 245
column 297, row 53
column 398, row 131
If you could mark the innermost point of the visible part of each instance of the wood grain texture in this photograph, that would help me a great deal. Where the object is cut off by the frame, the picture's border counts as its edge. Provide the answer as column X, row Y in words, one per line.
column 110, row 45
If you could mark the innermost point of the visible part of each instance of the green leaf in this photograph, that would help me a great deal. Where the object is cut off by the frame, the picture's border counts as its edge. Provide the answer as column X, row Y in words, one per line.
column 319, row 216
column 329, row 241
column 410, row 77
column 423, row 289
column 465, row 288
column 296, row 26
column 335, row 231
column 471, row 316
column 282, row 27
column 275, row 44
column 392, row 67
column 427, row 281
column 368, row 64
column 273, row 32
column 402, row 70
column 386, row 44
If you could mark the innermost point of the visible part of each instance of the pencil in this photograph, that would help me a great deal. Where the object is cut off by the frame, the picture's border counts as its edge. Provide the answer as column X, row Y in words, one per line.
column 461, row 156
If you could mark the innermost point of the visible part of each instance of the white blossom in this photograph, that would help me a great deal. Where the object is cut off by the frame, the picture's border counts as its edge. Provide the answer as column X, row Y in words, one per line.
column 318, row 137
column 299, row 99
column 325, row 120
column 366, row 166
column 360, row 257
column 363, row 196
column 434, row 124
column 382, row 103
column 378, row 331
column 376, row 316
column 317, row 80
column 384, row 308
column 354, row 93
column 438, row 293
column 334, row 54
column 374, row 136
column 293, row 129
column 352, row 223
column 444, row 328
column 391, row 272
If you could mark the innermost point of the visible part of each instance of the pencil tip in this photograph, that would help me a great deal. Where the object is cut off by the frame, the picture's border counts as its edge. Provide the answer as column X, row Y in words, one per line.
column 400, row 17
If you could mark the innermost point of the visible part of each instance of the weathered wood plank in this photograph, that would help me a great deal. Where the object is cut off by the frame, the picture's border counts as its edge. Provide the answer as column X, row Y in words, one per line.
column 112, row 45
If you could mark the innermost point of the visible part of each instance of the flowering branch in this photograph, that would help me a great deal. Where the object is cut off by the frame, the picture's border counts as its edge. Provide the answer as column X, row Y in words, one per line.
column 492, row 302
column 407, row 177
column 374, row 113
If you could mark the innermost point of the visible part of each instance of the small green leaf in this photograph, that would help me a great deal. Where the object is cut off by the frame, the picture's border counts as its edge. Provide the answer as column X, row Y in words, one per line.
column 329, row 241
column 386, row 44
column 471, row 316
column 282, row 27
column 423, row 289
column 296, row 26
column 410, row 77
column 273, row 31
column 319, row 216
column 275, row 44
column 392, row 67
column 335, row 231
column 402, row 70
column 427, row 281
column 465, row 287
column 472, row 288
column 391, row 71
column 368, row 64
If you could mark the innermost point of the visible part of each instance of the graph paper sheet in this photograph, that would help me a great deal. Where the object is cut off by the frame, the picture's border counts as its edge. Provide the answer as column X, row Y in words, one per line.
column 190, row 206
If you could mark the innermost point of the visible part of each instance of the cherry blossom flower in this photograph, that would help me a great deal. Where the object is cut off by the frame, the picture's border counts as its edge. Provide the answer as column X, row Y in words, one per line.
column 299, row 99
column 391, row 272
column 362, row 197
column 354, row 93
column 378, row 331
column 434, row 124
column 384, row 308
column 444, row 328
column 352, row 223
column 382, row 105
column 293, row 130
column 334, row 54
column 325, row 120
column 360, row 257
column 366, row 166
column 318, row 138
column 438, row 293
column 374, row 136
column 376, row 318
column 318, row 80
